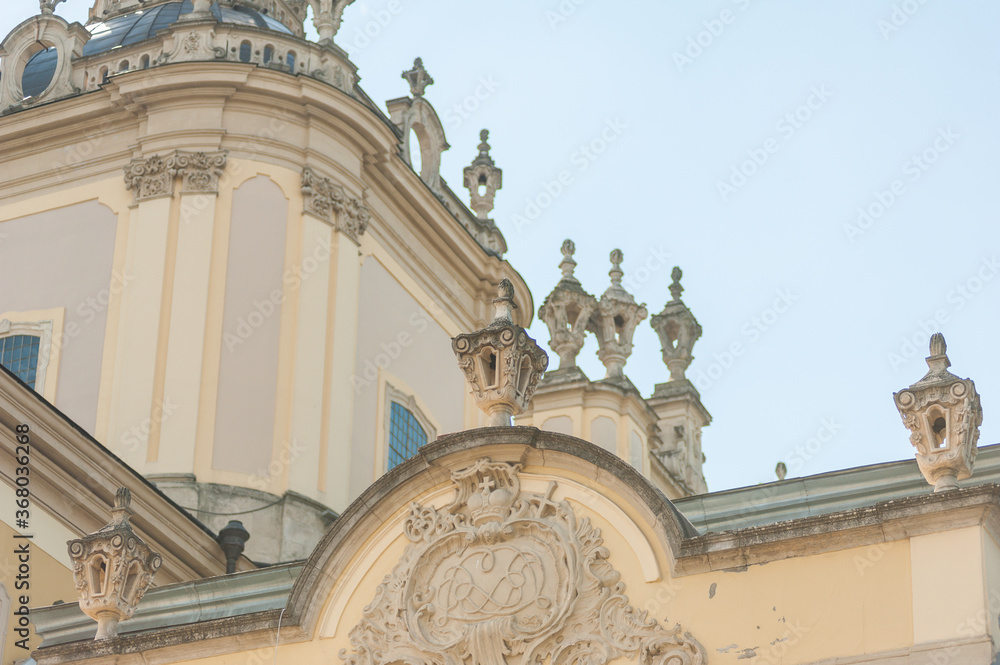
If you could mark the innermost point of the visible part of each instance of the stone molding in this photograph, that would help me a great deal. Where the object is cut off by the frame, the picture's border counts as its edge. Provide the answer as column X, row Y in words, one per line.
column 31, row 36
column 503, row 576
column 322, row 198
column 153, row 177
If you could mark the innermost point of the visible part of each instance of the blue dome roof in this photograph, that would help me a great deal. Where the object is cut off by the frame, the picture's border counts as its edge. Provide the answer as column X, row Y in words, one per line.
column 136, row 27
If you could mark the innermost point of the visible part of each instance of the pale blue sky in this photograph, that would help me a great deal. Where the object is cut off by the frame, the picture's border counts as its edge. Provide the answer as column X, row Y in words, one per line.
column 880, row 94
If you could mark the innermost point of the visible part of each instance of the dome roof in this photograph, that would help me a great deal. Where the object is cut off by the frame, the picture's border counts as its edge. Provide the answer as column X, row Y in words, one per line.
column 136, row 27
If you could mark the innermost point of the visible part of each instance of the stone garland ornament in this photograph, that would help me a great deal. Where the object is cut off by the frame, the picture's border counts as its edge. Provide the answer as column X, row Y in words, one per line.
column 323, row 197
column 504, row 577
column 112, row 568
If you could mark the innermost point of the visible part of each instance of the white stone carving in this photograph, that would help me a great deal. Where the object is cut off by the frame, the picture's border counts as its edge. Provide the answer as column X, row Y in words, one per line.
column 484, row 174
column 416, row 113
column 615, row 320
column 154, row 176
column 322, row 197
column 943, row 415
column 504, row 577
column 567, row 311
column 501, row 362
column 112, row 567
column 677, row 328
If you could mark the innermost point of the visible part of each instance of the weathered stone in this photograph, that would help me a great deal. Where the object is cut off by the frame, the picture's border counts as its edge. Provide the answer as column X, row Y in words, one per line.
column 482, row 173
column 615, row 320
column 678, row 330
column 567, row 311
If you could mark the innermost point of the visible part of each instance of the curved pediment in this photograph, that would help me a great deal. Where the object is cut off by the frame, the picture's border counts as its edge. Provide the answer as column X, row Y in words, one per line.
column 498, row 545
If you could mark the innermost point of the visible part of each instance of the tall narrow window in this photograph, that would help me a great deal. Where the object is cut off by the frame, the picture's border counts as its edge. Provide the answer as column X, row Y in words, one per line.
column 290, row 61
column 19, row 354
column 406, row 435
column 268, row 53
column 245, row 52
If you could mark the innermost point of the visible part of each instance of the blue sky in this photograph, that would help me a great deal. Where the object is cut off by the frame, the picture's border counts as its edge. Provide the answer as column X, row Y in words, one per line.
column 824, row 173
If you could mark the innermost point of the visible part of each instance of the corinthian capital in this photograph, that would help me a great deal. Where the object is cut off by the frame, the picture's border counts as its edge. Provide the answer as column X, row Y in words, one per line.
column 323, row 198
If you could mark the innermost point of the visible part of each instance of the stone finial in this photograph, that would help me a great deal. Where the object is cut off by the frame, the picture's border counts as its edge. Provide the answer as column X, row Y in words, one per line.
column 233, row 539
column 501, row 362
column 943, row 415
column 567, row 311
column 678, row 330
column 112, row 567
column 48, row 6
column 482, row 178
column 615, row 320
column 418, row 78
column 781, row 470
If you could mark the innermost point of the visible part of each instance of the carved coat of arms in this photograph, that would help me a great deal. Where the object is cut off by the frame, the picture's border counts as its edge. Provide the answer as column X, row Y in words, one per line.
column 502, row 576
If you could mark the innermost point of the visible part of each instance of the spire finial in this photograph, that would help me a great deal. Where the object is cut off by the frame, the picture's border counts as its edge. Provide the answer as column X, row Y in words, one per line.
column 568, row 265
column 676, row 289
column 482, row 178
column 48, row 6
column 504, row 302
column 616, row 272
column 418, row 78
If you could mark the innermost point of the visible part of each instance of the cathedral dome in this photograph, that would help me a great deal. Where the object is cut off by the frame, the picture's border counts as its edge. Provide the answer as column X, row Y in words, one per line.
column 136, row 27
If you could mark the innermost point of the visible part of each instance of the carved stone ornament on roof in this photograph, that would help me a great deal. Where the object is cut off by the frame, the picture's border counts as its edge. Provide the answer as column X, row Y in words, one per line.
column 482, row 173
column 678, row 330
column 505, row 577
column 943, row 414
column 154, row 176
column 567, row 311
column 418, row 78
column 323, row 197
column 112, row 567
column 501, row 362
column 615, row 321
column 48, row 6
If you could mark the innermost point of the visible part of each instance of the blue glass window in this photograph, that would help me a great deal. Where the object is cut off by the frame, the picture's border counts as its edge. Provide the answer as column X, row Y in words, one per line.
column 268, row 54
column 245, row 52
column 19, row 354
column 290, row 61
column 406, row 435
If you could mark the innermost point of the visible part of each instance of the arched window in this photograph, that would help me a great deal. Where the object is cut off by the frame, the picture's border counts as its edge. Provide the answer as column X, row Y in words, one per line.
column 123, row 66
column 268, row 53
column 290, row 61
column 144, row 63
column 245, row 52
column 407, row 429
column 19, row 354
column 104, row 75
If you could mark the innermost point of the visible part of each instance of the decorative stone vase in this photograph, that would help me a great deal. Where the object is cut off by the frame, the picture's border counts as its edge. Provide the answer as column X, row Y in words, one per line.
column 943, row 415
column 112, row 568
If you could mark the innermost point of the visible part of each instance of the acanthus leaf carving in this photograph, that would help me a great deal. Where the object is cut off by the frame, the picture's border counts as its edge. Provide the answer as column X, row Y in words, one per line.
column 153, row 176
column 322, row 197
column 507, row 577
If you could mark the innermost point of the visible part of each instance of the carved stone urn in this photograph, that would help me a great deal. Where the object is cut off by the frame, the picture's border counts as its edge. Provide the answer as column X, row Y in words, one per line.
column 501, row 362
column 113, row 568
column 943, row 415
column 567, row 311
column 678, row 330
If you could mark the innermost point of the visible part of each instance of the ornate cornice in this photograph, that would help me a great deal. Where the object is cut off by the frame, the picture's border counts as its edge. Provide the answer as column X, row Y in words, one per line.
column 322, row 198
column 153, row 177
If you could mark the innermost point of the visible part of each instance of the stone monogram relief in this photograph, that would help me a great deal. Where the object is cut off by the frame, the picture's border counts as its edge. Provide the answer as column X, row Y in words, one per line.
column 503, row 576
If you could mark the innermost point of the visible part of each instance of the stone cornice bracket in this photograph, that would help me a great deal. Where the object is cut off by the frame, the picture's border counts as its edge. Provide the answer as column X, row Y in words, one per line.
column 567, row 311
column 153, row 177
column 507, row 577
column 501, row 362
column 112, row 568
column 943, row 414
column 482, row 175
column 615, row 321
column 418, row 78
column 43, row 31
column 677, row 328
column 321, row 197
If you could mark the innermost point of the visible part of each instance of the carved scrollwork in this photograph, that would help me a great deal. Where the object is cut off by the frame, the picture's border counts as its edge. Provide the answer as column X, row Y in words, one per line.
column 323, row 197
column 506, row 577
column 154, row 176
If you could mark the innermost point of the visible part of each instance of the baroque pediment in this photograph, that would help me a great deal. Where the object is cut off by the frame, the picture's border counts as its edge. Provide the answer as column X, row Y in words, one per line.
column 502, row 576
